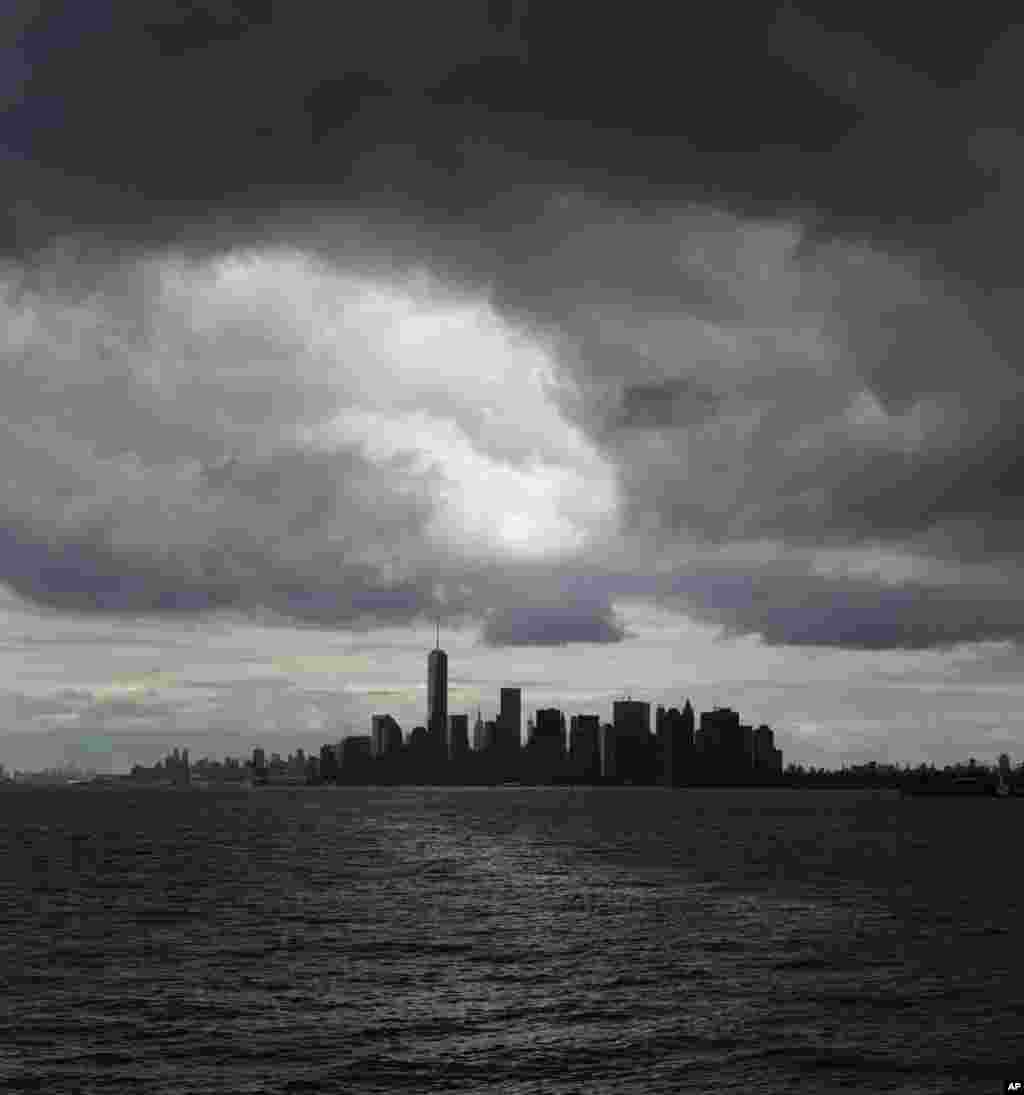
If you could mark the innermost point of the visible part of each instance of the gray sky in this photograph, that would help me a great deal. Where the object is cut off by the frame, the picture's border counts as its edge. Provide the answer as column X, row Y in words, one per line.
column 638, row 398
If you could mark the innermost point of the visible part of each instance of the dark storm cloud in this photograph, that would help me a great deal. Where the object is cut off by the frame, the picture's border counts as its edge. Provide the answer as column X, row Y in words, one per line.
column 569, row 621
column 774, row 258
column 814, row 610
column 92, row 577
column 673, row 402
column 248, row 106
column 84, row 577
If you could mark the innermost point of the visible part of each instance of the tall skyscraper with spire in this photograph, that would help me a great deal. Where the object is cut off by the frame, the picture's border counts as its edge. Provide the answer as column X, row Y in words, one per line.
column 437, row 695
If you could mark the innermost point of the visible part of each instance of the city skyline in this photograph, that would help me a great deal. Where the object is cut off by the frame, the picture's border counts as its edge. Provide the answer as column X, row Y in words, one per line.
column 330, row 688
column 635, row 395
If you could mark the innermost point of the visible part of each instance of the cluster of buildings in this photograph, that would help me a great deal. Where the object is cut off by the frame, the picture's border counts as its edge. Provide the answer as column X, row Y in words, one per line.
column 174, row 769
column 582, row 749
column 675, row 752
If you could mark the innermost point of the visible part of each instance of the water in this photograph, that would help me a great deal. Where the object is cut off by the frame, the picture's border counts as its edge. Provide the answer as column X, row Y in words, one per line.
column 507, row 940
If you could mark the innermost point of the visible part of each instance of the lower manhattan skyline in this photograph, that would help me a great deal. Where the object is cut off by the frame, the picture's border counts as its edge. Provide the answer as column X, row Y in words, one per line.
column 119, row 708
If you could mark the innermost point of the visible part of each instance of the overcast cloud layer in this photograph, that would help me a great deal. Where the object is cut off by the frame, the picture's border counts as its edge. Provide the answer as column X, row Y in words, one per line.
column 781, row 430
column 308, row 322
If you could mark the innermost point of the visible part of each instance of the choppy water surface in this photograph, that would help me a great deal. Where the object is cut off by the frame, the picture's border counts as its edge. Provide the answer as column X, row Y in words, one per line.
column 512, row 940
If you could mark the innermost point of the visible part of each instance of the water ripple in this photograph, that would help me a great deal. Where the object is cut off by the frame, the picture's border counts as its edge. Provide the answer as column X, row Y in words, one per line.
column 515, row 940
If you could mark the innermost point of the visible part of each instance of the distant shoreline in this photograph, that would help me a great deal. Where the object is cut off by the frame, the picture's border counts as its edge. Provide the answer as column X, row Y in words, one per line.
column 126, row 784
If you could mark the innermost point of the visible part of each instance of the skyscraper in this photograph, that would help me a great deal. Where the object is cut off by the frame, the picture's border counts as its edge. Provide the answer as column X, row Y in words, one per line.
column 674, row 744
column 550, row 728
column 437, row 696
column 510, row 718
column 766, row 757
column 584, row 747
column 328, row 763
column 490, row 734
column 689, row 721
column 547, row 744
column 632, row 722
column 385, row 736
column 355, row 755
column 724, row 743
column 458, row 736
column 478, row 732
column 607, row 751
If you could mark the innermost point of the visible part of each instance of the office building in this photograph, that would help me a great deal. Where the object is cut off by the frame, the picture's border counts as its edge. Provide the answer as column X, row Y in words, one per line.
column 633, row 748
column 731, row 750
column 259, row 765
column 479, row 740
column 458, row 736
column 510, row 719
column 674, row 745
column 719, row 728
column 355, row 754
column 490, row 734
column 766, row 757
column 689, row 720
column 585, row 747
column 608, row 752
column 547, row 742
column 385, row 736
column 723, row 745
column 328, row 763
column 747, row 733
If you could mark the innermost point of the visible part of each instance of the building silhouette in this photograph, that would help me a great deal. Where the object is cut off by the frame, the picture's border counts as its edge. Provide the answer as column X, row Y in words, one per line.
column 718, row 738
column 549, row 726
column 328, row 763
column 585, row 748
column 547, row 745
column 767, row 759
column 725, row 746
column 385, row 736
column 490, row 735
column 437, row 697
column 458, row 736
column 355, row 758
column 510, row 720
column 608, row 752
column 722, row 751
column 631, row 734
column 419, row 741
column 674, row 746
